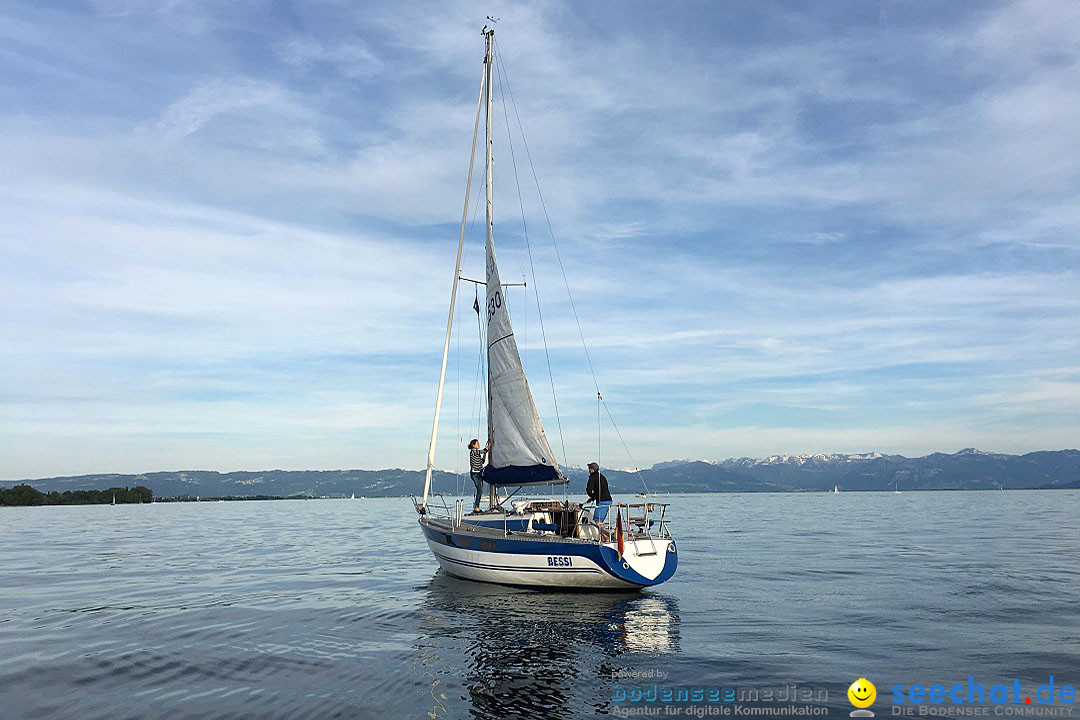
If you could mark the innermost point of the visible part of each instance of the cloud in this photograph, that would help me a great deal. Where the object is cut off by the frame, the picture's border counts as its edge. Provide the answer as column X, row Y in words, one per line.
column 823, row 232
column 213, row 98
column 352, row 60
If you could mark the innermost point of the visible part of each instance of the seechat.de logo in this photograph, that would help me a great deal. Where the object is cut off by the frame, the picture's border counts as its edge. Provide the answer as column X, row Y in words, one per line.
column 862, row 695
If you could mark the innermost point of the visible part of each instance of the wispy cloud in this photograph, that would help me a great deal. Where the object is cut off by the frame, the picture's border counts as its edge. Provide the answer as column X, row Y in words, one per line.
column 213, row 98
column 350, row 59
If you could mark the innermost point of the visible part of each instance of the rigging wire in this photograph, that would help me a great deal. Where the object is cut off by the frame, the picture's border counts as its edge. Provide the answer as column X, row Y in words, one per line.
column 453, row 306
column 460, row 475
column 481, row 409
column 528, row 247
column 547, row 218
column 477, row 395
column 482, row 386
column 460, row 478
column 558, row 256
column 599, row 425
column 457, row 326
column 626, row 447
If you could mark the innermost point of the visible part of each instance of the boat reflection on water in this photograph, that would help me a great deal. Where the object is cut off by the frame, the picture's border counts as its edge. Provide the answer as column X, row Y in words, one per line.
column 508, row 652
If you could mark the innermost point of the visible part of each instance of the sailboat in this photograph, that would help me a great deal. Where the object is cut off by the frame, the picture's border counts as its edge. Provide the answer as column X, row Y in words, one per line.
column 548, row 543
column 353, row 496
column 836, row 489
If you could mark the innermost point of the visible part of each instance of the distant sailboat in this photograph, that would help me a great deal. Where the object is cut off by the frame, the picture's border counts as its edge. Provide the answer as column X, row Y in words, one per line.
column 114, row 498
column 836, row 489
column 353, row 496
column 896, row 487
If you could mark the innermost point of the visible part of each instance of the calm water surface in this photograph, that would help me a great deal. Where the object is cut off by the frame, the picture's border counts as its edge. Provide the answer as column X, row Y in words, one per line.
column 335, row 608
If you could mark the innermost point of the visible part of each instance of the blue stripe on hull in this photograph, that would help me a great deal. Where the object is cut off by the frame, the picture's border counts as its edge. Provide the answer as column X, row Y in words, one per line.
column 512, row 568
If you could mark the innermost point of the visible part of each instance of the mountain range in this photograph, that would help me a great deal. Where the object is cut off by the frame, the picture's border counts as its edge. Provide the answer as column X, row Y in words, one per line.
column 968, row 469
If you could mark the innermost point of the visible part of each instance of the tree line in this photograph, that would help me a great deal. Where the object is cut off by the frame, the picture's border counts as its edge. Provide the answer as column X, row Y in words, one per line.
column 27, row 495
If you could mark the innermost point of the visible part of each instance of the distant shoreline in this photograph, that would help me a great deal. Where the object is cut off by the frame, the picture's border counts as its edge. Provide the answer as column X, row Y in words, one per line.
column 106, row 498
column 23, row 495
column 968, row 469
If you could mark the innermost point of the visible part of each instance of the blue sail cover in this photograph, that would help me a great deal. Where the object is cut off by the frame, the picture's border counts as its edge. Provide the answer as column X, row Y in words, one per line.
column 523, row 475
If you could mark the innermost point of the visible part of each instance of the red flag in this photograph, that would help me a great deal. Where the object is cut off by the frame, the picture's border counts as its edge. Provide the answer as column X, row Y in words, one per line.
column 619, row 531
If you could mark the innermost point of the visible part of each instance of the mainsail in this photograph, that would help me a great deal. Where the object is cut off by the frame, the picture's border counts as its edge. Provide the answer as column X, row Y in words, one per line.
column 520, row 452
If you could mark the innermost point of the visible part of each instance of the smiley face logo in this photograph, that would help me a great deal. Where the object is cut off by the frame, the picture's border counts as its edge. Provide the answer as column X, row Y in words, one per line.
column 862, row 693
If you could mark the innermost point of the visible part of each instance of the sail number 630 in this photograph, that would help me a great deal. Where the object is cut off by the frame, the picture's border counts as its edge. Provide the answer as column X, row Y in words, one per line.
column 494, row 304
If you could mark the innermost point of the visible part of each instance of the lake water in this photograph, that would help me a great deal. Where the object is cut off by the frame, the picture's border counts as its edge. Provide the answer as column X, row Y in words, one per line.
column 336, row 609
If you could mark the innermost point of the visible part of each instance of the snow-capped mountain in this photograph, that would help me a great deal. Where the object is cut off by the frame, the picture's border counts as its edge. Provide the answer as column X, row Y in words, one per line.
column 798, row 460
column 967, row 469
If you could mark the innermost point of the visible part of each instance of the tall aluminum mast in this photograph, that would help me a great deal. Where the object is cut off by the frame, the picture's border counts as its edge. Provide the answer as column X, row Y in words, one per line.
column 489, row 41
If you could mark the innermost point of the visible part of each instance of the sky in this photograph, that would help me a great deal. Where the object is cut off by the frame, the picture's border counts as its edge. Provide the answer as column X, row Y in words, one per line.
column 227, row 230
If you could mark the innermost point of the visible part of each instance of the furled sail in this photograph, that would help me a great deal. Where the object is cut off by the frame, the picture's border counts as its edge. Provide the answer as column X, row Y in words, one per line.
column 520, row 452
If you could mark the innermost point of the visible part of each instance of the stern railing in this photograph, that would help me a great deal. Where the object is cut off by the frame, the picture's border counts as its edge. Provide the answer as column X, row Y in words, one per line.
column 641, row 518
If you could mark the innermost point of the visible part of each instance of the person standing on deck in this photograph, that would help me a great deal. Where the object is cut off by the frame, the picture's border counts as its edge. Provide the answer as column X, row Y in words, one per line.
column 597, row 491
column 476, row 469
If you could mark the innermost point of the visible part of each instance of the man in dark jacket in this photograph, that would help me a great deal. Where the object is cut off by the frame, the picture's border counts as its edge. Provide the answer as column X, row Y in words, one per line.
column 597, row 491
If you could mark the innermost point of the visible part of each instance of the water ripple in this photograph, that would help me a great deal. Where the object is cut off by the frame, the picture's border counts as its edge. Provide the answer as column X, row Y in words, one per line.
column 334, row 608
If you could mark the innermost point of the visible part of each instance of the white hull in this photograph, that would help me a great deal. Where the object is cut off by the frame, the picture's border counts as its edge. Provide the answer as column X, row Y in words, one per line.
column 524, row 570
column 568, row 564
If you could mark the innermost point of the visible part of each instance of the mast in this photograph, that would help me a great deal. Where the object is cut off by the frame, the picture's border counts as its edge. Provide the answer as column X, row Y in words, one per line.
column 457, row 276
column 489, row 37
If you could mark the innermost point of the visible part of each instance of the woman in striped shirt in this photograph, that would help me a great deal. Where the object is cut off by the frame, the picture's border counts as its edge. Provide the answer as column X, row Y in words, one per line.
column 476, row 468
